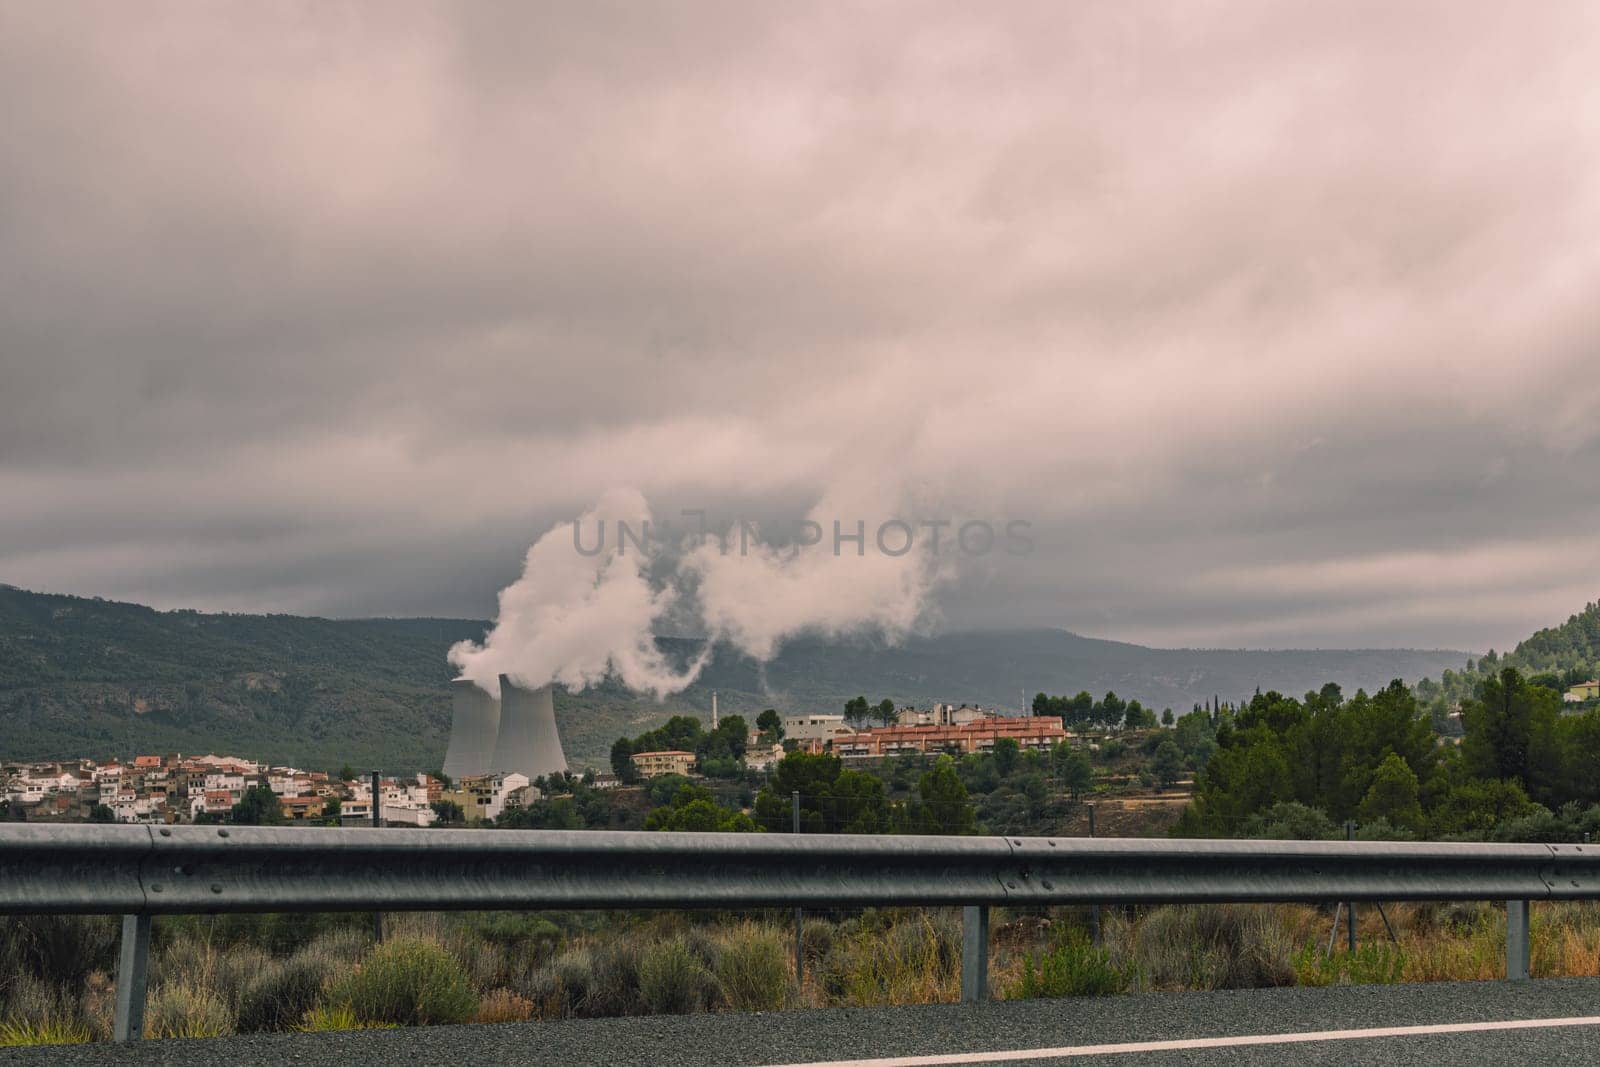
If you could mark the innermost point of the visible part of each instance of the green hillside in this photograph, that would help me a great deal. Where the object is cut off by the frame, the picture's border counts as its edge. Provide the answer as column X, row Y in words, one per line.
column 92, row 677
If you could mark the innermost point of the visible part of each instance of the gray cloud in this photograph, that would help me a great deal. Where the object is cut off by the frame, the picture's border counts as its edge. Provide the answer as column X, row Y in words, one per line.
column 1278, row 323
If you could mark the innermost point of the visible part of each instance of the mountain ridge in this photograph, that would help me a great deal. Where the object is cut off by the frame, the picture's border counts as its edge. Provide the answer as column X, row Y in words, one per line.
column 89, row 677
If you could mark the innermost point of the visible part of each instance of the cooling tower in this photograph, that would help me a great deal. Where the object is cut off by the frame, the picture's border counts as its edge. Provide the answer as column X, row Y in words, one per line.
column 528, row 742
column 473, row 730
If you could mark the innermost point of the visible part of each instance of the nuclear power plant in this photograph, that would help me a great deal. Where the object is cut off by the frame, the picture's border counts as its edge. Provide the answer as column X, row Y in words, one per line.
column 513, row 735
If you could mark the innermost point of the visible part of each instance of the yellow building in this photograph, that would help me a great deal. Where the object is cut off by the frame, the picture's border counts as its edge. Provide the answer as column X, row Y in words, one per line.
column 1584, row 691
column 653, row 764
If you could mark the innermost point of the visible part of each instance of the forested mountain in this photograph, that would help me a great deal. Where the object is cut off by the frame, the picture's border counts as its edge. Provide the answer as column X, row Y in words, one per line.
column 90, row 677
column 1555, row 657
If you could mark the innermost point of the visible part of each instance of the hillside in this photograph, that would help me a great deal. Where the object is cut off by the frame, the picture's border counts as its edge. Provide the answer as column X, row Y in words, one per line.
column 91, row 677
column 1573, row 647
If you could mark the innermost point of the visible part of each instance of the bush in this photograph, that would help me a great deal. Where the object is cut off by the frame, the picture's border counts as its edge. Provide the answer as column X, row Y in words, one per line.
column 1073, row 967
column 409, row 982
column 503, row 1006
column 752, row 967
column 339, row 948
column 1207, row 946
column 672, row 980
column 279, row 997
column 179, row 1010
column 1374, row 963
column 61, row 950
column 884, row 958
column 614, row 989
column 520, row 931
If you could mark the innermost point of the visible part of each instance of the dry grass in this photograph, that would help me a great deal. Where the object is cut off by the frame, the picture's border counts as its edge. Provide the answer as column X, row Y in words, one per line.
column 513, row 969
column 503, row 1006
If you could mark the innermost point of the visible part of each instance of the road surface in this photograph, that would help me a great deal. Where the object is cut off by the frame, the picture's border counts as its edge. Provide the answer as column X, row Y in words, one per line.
column 1552, row 1021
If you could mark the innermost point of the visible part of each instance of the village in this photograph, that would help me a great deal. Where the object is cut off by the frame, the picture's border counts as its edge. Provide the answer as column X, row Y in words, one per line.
column 175, row 788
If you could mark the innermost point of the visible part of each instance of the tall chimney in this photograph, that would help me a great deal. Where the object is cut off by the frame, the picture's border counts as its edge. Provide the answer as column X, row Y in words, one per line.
column 474, row 725
column 529, row 742
column 713, row 709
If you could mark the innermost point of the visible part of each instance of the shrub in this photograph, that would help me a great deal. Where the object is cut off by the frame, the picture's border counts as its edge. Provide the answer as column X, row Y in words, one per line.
column 1073, row 967
column 1374, row 963
column 178, row 1010
column 338, row 948
column 672, row 980
column 410, row 982
column 61, row 950
column 615, row 986
column 518, row 931
column 889, row 959
column 1207, row 946
column 752, row 967
column 279, row 997
column 503, row 1006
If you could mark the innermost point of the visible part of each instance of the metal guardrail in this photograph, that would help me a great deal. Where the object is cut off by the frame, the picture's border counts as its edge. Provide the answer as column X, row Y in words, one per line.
column 142, row 871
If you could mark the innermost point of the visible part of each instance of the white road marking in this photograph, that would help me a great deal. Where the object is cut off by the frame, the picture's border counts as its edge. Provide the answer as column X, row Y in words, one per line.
column 1181, row 1044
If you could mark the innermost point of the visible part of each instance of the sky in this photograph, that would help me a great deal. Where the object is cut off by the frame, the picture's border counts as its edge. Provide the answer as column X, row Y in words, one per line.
column 1277, row 325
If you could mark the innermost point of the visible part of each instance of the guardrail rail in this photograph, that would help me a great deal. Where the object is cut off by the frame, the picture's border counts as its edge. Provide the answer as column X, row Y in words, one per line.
column 142, row 871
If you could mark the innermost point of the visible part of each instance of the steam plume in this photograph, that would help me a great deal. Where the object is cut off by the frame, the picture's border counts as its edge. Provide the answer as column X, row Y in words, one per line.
column 574, row 619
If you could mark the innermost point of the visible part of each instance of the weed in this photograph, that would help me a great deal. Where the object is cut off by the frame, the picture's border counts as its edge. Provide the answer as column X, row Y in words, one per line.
column 673, row 980
column 410, row 982
column 178, row 1010
column 52, row 1032
column 1073, row 967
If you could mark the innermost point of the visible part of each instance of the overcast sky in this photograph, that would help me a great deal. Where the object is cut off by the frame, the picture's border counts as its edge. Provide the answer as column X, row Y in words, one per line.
column 1279, row 322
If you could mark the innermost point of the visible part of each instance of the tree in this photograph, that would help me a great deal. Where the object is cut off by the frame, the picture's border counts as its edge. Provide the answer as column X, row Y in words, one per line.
column 1510, row 732
column 694, row 809
column 1139, row 717
column 449, row 812
column 885, row 710
column 258, row 806
column 943, row 804
column 832, row 799
column 770, row 723
column 1006, row 754
column 1167, row 767
column 622, row 760
column 1393, row 795
column 1166, row 717
column 1073, row 767
column 857, row 711
column 347, row 773
column 101, row 813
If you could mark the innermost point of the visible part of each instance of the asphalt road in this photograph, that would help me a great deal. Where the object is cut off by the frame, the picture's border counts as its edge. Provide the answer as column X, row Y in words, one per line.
column 995, row 1034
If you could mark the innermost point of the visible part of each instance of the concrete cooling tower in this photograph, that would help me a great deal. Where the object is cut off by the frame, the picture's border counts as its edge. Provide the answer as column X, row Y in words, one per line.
column 528, row 742
column 473, row 730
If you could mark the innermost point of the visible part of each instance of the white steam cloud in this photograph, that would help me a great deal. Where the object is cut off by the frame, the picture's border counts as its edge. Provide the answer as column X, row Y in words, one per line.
column 574, row 618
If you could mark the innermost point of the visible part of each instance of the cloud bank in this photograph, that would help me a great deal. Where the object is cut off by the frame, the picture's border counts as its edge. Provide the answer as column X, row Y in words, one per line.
column 1278, row 323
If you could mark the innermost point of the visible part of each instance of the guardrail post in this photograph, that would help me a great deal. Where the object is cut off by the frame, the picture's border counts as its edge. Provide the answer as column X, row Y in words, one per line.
column 377, row 822
column 1094, row 909
column 1350, row 906
column 133, row 971
column 799, row 938
column 974, row 954
column 1517, row 945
